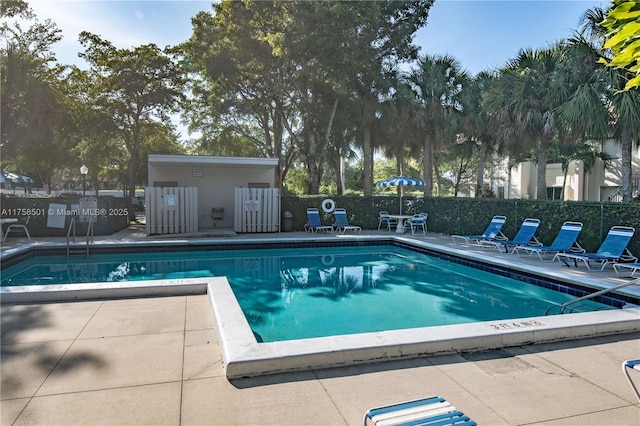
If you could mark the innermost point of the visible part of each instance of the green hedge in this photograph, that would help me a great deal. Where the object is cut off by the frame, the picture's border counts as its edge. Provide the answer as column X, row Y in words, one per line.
column 472, row 215
column 113, row 219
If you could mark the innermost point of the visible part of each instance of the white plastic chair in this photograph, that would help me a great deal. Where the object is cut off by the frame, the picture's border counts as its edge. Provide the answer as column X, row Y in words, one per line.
column 386, row 221
column 17, row 227
column 418, row 222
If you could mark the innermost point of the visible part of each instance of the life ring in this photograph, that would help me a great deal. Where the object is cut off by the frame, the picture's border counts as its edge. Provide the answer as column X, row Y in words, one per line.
column 328, row 205
column 327, row 259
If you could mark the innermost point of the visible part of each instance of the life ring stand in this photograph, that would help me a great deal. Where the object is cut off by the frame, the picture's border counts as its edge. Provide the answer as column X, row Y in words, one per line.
column 328, row 205
column 328, row 259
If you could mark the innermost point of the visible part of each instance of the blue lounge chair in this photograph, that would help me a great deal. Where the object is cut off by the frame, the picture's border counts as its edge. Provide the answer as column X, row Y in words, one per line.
column 313, row 222
column 612, row 250
column 565, row 241
column 427, row 411
column 632, row 267
column 526, row 236
column 386, row 221
column 341, row 223
column 631, row 364
column 493, row 232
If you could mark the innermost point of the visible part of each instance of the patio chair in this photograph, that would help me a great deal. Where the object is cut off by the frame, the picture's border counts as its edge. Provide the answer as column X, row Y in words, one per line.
column 632, row 267
column 341, row 223
column 612, row 250
column 313, row 222
column 631, row 364
column 493, row 232
column 433, row 410
column 565, row 241
column 418, row 221
column 386, row 221
column 525, row 237
column 18, row 227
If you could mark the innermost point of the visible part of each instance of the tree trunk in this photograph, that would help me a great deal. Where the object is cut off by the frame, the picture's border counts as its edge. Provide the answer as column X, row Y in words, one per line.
column 484, row 147
column 312, row 167
column 367, row 161
column 436, row 174
column 340, row 174
column 428, row 165
column 315, row 163
column 625, row 167
column 541, row 189
column 400, row 169
column 277, row 148
column 133, row 164
column 565, row 172
column 96, row 184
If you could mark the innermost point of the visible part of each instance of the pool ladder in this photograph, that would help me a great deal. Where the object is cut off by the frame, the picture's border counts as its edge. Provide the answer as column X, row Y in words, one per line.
column 72, row 227
column 597, row 293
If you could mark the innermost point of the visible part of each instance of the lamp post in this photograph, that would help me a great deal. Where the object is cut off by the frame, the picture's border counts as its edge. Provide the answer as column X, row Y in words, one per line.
column 83, row 171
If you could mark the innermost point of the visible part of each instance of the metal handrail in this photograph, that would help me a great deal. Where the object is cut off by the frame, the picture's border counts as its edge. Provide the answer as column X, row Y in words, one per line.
column 89, row 236
column 72, row 225
column 89, row 233
column 598, row 293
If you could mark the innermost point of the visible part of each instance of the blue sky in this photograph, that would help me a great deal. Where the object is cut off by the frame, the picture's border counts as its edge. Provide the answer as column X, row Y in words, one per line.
column 481, row 34
column 485, row 34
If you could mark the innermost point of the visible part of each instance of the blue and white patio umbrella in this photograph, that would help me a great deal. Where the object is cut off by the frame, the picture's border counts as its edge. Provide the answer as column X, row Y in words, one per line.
column 400, row 181
column 8, row 177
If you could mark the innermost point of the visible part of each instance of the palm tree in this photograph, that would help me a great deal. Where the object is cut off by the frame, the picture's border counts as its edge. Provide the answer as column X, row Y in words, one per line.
column 479, row 125
column 599, row 107
column 437, row 82
column 398, row 120
column 527, row 93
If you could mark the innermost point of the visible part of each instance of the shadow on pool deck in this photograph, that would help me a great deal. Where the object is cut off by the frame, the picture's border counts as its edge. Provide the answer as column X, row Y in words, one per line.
column 157, row 361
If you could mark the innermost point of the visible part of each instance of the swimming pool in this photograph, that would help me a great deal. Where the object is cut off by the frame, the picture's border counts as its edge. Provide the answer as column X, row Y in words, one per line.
column 244, row 355
column 289, row 293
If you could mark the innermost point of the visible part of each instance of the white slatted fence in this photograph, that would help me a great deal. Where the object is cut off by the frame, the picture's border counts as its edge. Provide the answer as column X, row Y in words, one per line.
column 171, row 210
column 256, row 210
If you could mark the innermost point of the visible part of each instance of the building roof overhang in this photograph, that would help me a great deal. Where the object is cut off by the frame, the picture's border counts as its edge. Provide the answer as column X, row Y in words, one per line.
column 209, row 160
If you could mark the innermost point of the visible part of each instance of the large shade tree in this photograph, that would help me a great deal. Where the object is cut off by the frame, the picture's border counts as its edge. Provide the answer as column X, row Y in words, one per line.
column 240, row 101
column 132, row 86
column 34, row 101
column 289, row 67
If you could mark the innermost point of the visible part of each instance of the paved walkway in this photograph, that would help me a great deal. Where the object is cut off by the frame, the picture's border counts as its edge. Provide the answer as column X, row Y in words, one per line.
column 157, row 361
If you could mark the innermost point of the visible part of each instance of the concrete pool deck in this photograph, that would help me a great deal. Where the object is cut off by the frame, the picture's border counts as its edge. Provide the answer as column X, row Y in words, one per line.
column 157, row 361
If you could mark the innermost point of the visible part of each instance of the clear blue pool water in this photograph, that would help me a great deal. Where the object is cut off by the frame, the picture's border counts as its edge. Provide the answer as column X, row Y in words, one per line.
column 300, row 293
